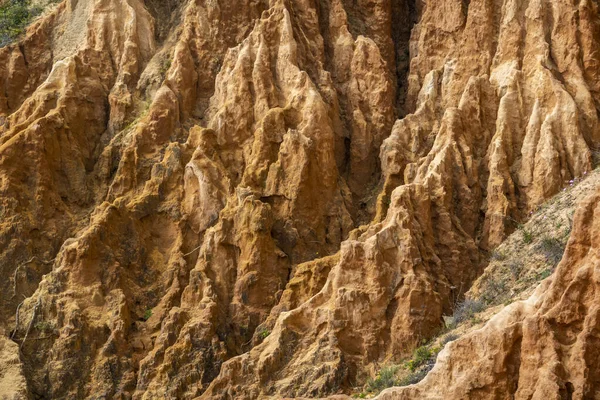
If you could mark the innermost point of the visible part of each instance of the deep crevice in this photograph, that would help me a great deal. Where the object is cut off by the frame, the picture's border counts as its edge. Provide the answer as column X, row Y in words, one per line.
column 405, row 15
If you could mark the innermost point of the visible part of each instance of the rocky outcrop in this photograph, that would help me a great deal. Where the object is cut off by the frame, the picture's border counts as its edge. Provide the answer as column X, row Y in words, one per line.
column 244, row 199
column 544, row 347
column 12, row 379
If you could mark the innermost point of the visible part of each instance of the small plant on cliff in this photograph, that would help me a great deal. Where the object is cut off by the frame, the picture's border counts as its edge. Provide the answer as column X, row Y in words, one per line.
column 263, row 333
column 385, row 378
column 423, row 356
column 147, row 314
column 165, row 65
column 449, row 338
column 44, row 326
column 515, row 268
column 527, row 236
column 553, row 249
column 467, row 309
column 420, row 357
column 544, row 274
column 411, row 372
column 415, row 377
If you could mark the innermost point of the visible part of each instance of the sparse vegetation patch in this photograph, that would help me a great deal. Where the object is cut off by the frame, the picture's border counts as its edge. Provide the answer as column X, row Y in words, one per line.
column 410, row 372
column 45, row 327
column 552, row 249
column 385, row 379
column 527, row 236
column 15, row 15
column 263, row 333
column 451, row 337
column 467, row 309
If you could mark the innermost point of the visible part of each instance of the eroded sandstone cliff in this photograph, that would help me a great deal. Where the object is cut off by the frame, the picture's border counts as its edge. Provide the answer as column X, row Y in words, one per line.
column 251, row 198
column 545, row 347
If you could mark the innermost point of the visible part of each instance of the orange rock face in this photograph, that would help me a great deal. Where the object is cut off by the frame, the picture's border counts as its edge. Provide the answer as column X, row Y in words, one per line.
column 543, row 348
column 248, row 199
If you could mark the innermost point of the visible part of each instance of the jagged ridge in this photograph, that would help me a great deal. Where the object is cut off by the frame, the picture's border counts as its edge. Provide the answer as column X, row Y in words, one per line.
column 230, row 207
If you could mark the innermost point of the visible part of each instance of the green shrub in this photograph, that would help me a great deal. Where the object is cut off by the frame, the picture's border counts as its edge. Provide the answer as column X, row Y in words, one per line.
column 45, row 326
column 165, row 64
column 147, row 314
column 423, row 355
column 422, row 362
column 544, row 274
column 385, row 379
column 527, row 236
column 15, row 15
column 263, row 333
